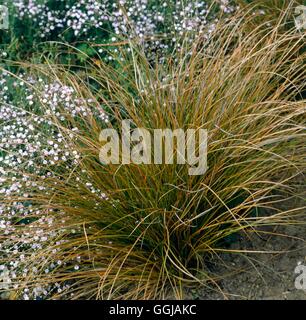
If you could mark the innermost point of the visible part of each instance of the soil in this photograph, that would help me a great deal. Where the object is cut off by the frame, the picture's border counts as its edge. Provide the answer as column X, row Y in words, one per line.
column 260, row 276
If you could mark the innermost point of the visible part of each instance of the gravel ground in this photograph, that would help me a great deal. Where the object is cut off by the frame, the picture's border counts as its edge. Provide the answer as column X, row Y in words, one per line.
column 260, row 276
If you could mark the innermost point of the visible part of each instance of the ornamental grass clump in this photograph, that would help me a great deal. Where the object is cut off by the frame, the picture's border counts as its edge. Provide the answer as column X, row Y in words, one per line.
column 75, row 228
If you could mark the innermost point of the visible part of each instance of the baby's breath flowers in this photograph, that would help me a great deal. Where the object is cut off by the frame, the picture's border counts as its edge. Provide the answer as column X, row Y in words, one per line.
column 31, row 148
column 159, row 25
